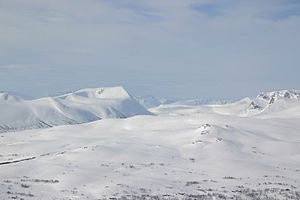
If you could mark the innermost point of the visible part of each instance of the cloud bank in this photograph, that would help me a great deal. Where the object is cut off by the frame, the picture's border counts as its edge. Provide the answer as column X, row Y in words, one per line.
column 172, row 48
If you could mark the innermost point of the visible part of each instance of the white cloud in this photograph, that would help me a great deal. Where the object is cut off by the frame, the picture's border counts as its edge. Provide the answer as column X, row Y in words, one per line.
column 142, row 40
column 13, row 66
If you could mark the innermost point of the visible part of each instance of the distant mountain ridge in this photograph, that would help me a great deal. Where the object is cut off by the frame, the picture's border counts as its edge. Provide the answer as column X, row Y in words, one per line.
column 266, row 105
column 269, row 100
column 16, row 95
column 114, row 102
column 149, row 101
column 198, row 102
column 7, row 97
column 73, row 108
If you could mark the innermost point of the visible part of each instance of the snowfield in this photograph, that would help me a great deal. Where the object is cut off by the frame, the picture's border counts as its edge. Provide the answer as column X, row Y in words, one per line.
column 230, row 151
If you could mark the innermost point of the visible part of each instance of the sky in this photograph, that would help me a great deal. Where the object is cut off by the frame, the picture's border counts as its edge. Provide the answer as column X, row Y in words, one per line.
column 209, row 49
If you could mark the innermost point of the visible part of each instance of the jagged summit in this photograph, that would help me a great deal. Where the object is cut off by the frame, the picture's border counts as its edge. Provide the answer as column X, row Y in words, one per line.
column 272, row 101
column 265, row 99
column 271, row 97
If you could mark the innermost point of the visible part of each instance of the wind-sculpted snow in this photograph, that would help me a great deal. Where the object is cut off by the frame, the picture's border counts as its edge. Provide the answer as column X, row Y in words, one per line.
column 182, row 152
column 72, row 108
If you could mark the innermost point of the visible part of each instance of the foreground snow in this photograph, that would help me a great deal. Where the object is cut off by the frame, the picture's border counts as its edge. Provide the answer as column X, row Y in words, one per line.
column 183, row 152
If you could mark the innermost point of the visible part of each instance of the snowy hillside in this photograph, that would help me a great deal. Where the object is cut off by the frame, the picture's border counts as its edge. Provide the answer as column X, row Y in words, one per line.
column 182, row 152
column 73, row 108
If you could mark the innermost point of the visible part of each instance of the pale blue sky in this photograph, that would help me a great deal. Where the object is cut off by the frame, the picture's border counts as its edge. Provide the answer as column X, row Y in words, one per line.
column 166, row 48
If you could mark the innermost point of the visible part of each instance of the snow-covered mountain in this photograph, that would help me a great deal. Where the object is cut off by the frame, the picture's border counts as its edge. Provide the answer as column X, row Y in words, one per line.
column 183, row 152
column 73, row 108
column 269, row 104
column 275, row 101
column 114, row 102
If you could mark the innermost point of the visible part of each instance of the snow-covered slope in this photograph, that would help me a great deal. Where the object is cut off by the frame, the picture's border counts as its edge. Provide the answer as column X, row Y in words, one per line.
column 73, row 108
column 183, row 152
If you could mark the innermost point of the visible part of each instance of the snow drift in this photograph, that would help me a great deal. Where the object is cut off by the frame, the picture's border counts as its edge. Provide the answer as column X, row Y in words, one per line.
column 73, row 108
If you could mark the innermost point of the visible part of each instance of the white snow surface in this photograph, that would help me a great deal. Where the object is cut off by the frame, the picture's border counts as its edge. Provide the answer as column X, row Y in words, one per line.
column 182, row 152
column 73, row 108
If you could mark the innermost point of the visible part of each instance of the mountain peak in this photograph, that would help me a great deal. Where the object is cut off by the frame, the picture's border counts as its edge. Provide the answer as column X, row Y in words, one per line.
column 82, row 106
column 271, row 97
column 267, row 99
column 101, row 93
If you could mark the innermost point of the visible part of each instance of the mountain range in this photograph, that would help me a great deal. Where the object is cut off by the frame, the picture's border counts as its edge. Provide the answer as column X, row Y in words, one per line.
column 73, row 108
column 248, row 149
column 92, row 104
